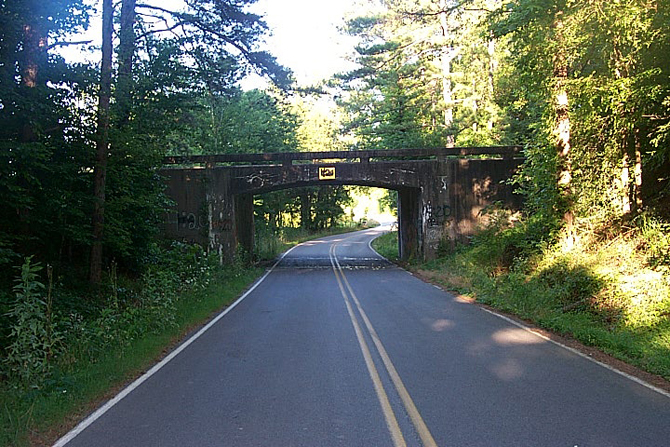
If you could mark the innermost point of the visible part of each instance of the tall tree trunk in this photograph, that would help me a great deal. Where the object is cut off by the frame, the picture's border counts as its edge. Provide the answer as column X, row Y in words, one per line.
column 493, row 66
column 638, row 172
column 631, row 175
column 563, row 125
column 124, row 84
column 448, row 55
column 625, row 184
column 34, row 53
column 33, row 58
column 102, row 143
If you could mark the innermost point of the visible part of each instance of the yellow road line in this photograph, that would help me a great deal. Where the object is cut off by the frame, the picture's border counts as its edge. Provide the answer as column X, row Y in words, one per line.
column 389, row 415
column 419, row 424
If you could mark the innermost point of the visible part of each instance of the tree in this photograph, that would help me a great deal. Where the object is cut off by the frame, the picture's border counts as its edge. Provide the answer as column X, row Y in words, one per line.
column 589, row 80
column 212, row 30
column 102, row 142
column 29, row 31
column 41, row 149
column 216, row 38
column 319, row 123
column 411, row 87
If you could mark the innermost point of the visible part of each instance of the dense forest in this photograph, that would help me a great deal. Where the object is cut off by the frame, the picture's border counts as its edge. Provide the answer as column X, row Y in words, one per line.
column 82, row 143
column 583, row 86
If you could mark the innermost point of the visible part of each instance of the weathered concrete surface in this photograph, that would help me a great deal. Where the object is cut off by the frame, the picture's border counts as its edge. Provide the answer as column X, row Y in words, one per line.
column 440, row 200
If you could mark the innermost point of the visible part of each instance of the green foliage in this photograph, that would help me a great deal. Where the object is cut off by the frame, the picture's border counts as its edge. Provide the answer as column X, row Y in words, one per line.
column 328, row 206
column 180, row 97
column 51, row 335
column 389, row 202
column 119, row 338
column 33, row 338
column 257, row 122
column 319, row 124
column 656, row 236
column 505, row 244
column 234, row 122
column 616, row 85
column 313, row 208
column 573, row 285
column 42, row 186
column 387, row 245
column 426, row 76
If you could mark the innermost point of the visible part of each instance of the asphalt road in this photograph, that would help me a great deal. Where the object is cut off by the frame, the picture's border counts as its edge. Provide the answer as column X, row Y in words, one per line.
column 336, row 347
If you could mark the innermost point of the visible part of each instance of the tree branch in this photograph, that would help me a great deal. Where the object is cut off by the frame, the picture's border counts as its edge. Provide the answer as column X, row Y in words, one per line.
column 158, row 31
column 67, row 44
column 158, row 8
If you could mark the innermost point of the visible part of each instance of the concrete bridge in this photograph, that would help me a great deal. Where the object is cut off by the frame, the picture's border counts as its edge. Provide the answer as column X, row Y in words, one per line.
column 441, row 191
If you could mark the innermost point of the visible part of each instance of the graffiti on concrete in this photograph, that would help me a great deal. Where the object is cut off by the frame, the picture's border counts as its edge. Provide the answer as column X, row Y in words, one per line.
column 445, row 183
column 190, row 221
column 438, row 215
column 433, row 235
column 257, row 180
column 398, row 171
column 222, row 225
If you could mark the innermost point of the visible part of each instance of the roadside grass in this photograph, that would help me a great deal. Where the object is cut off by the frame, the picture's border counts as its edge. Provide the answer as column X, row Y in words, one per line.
column 606, row 288
column 74, row 390
column 387, row 245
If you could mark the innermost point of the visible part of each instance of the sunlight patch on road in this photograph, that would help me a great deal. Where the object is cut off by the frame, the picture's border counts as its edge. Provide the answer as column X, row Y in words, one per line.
column 515, row 336
column 507, row 370
column 439, row 325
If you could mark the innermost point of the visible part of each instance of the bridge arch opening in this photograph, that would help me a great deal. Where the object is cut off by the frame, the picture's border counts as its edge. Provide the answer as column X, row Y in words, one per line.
column 304, row 214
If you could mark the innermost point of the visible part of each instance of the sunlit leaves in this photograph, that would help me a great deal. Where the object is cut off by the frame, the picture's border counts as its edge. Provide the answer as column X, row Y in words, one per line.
column 616, row 83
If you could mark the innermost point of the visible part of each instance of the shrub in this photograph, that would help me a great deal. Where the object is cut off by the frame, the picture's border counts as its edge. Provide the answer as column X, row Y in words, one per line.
column 506, row 244
column 656, row 236
column 33, row 336
column 574, row 285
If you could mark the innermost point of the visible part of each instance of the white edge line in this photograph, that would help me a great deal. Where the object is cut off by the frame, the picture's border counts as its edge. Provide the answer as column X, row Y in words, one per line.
column 580, row 354
column 139, row 381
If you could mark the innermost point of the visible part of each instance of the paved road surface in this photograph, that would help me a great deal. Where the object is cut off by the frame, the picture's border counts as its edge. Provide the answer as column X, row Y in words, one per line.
column 335, row 347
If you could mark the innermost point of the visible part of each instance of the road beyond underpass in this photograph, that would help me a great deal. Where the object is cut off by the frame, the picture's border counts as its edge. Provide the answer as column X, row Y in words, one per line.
column 337, row 347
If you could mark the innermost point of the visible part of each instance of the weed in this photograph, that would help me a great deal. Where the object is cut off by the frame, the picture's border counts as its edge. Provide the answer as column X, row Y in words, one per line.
column 33, row 336
column 574, row 285
column 656, row 237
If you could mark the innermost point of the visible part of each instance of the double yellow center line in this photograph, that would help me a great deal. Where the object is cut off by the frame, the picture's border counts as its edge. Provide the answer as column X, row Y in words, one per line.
column 391, row 420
